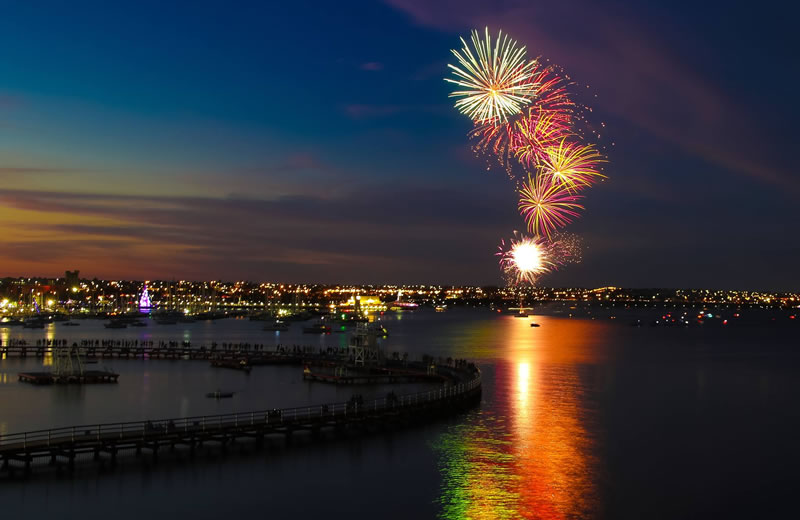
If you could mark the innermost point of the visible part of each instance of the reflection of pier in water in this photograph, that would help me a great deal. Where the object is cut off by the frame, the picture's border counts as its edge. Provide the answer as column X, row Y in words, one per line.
column 527, row 454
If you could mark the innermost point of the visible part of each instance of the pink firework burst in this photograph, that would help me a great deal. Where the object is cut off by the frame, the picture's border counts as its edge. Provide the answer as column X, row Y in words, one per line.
column 546, row 204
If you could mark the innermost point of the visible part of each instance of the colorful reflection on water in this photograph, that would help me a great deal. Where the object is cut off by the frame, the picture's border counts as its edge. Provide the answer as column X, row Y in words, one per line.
column 527, row 453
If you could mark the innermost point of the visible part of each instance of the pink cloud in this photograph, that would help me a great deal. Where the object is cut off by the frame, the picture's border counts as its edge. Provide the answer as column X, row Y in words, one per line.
column 9, row 101
column 373, row 66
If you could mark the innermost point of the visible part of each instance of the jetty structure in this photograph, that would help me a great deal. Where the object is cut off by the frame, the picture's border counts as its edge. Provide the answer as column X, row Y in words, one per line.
column 105, row 445
column 457, row 386
column 68, row 368
column 364, row 362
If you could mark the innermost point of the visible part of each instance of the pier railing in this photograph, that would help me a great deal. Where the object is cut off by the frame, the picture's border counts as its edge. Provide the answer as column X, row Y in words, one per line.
column 152, row 429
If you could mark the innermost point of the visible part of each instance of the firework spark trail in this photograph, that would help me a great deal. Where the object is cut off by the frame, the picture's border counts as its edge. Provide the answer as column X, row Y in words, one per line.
column 573, row 165
column 537, row 133
column 547, row 205
column 497, row 82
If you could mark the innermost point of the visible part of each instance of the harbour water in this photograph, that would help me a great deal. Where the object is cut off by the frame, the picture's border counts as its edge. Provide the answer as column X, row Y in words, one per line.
column 581, row 418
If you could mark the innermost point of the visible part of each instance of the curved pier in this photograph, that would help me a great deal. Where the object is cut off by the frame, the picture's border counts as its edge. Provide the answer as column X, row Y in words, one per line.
column 101, row 444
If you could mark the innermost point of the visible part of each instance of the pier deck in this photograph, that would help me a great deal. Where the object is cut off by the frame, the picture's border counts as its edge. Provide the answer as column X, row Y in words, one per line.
column 61, row 447
column 87, row 377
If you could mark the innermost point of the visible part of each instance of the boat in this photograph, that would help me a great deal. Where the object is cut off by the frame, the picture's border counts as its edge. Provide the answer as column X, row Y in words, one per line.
column 219, row 394
column 115, row 325
column 300, row 316
column 402, row 306
column 167, row 317
column 317, row 328
column 234, row 364
column 440, row 308
column 399, row 305
column 10, row 322
column 535, row 325
column 138, row 324
column 33, row 323
column 276, row 326
column 377, row 329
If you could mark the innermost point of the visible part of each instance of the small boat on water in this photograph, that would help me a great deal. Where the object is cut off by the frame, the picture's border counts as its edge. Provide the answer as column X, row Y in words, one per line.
column 277, row 325
column 219, row 394
column 234, row 364
column 317, row 328
column 115, row 325
column 10, row 322
column 138, row 324
column 535, row 325
column 33, row 323
column 167, row 318
column 378, row 329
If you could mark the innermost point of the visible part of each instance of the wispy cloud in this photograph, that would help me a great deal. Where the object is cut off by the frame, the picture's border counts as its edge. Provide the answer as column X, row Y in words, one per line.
column 372, row 232
column 8, row 101
column 372, row 66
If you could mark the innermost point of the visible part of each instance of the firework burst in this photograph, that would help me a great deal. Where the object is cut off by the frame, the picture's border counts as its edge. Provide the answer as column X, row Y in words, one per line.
column 547, row 205
column 536, row 134
column 546, row 120
column 524, row 259
column 571, row 164
column 496, row 81
column 525, row 120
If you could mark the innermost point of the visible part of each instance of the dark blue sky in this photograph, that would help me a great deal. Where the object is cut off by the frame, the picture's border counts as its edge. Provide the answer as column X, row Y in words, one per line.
column 314, row 141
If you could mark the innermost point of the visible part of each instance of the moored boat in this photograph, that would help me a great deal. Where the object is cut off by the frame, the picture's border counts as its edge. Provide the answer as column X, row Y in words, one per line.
column 34, row 323
column 317, row 328
column 276, row 326
column 234, row 364
column 10, row 322
column 115, row 325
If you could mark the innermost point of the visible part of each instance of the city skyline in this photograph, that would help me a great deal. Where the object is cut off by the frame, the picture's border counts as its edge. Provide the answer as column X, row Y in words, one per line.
column 82, row 290
column 198, row 151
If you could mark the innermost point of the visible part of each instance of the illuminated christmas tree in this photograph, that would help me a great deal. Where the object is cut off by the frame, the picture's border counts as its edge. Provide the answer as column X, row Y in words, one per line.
column 144, row 300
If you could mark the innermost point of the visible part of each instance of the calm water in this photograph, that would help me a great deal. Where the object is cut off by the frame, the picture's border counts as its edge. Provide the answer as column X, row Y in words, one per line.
column 581, row 419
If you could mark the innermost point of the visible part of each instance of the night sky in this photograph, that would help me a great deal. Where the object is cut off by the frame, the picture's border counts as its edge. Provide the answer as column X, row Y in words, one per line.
column 315, row 142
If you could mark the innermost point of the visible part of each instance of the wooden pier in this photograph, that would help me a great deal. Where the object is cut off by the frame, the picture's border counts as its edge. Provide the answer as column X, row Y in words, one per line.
column 252, row 355
column 87, row 377
column 350, row 375
column 62, row 449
